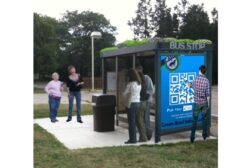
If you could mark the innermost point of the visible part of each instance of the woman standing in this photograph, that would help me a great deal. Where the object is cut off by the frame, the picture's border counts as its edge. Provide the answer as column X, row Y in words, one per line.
column 54, row 90
column 132, row 92
column 144, row 96
column 74, row 85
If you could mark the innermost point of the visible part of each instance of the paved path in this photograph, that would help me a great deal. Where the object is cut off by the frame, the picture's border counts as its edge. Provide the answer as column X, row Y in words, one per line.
column 75, row 135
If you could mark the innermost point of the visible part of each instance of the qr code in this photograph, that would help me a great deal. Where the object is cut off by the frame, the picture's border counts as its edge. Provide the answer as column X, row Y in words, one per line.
column 180, row 93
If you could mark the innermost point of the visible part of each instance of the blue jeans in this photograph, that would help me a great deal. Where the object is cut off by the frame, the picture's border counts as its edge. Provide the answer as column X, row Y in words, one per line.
column 204, row 109
column 77, row 96
column 54, row 106
column 134, row 107
column 147, row 120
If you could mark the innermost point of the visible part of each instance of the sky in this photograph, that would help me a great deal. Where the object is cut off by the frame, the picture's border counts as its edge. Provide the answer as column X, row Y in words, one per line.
column 118, row 12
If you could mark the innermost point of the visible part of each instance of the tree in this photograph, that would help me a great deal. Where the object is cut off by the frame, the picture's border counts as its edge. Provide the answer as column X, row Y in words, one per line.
column 45, row 46
column 195, row 23
column 77, row 48
column 59, row 43
column 162, row 20
column 141, row 23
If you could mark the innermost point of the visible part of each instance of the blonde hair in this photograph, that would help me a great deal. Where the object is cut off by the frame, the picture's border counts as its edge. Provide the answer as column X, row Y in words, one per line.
column 54, row 74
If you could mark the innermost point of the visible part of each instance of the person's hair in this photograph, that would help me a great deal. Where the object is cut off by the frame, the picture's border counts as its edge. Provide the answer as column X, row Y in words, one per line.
column 139, row 68
column 202, row 69
column 54, row 74
column 141, row 75
column 133, row 76
column 69, row 68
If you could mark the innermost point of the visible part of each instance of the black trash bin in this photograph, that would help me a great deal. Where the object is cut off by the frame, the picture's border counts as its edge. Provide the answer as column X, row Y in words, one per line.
column 104, row 113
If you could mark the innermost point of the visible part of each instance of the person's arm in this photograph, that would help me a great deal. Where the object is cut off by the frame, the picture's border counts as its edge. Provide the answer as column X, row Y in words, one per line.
column 208, row 92
column 80, row 81
column 61, row 86
column 67, row 87
column 47, row 87
column 127, row 90
column 150, row 87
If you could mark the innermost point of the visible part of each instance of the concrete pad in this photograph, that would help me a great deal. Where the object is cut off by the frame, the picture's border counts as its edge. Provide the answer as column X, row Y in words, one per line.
column 75, row 135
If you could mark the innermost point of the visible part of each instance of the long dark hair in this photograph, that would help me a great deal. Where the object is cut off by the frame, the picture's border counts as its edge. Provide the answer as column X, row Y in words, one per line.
column 141, row 77
column 133, row 76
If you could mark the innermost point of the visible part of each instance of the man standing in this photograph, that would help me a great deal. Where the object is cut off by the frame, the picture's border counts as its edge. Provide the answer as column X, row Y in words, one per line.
column 150, row 92
column 201, row 88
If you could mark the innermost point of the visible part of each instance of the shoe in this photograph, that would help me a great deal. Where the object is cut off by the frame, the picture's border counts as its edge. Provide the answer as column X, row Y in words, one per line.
column 149, row 137
column 53, row 121
column 80, row 121
column 128, row 142
column 68, row 120
column 192, row 140
column 56, row 120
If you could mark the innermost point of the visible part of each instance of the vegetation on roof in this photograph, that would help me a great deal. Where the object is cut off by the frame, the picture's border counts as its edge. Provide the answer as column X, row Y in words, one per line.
column 133, row 43
column 108, row 49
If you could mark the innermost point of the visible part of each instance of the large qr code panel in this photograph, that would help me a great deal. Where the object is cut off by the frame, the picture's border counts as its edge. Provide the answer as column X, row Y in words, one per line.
column 180, row 93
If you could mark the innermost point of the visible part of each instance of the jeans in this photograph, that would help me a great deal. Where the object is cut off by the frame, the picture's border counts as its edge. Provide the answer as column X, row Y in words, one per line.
column 140, row 121
column 134, row 107
column 204, row 109
column 54, row 106
column 147, row 119
column 77, row 96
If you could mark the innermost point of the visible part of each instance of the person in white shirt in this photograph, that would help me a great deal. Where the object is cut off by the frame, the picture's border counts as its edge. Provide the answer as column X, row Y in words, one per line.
column 132, row 94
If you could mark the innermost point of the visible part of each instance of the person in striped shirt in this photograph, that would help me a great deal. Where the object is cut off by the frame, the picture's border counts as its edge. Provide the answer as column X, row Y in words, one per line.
column 201, row 88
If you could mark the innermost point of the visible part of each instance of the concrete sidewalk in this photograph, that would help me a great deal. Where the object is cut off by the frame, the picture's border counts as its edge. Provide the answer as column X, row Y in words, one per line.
column 75, row 135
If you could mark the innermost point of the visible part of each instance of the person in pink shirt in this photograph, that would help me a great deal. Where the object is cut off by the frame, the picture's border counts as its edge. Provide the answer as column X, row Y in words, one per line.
column 54, row 90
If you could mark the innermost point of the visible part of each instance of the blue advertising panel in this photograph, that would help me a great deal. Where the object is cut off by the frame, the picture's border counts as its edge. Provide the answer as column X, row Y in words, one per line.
column 177, row 99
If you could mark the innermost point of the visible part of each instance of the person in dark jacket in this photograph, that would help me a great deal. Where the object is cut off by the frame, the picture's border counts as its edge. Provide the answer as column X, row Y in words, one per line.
column 74, row 85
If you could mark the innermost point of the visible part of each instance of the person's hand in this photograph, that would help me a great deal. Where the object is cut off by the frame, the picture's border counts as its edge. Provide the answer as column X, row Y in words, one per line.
column 80, row 83
column 189, row 85
column 208, row 102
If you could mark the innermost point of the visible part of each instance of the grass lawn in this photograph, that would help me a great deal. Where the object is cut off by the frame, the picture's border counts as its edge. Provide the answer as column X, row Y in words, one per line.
column 38, row 90
column 49, row 153
column 42, row 110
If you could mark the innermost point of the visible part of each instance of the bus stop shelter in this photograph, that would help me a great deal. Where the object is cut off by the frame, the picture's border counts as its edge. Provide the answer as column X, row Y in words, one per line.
column 171, row 65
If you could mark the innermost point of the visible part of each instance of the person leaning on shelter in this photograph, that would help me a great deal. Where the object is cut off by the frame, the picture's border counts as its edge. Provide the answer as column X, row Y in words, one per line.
column 54, row 90
column 74, row 85
column 150, row 92
column 140, row 115
column 201, row 88
column 132, row 94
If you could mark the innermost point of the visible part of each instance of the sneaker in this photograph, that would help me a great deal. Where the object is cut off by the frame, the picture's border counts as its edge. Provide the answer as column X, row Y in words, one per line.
column 128, row 142
column 80, row 121
column 140, row 140
column 69, row 119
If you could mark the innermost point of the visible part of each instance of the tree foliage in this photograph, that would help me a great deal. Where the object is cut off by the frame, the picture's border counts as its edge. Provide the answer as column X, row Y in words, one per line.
column 186, row 21
column 141, row 25
column 45, row 46
column 59, row 43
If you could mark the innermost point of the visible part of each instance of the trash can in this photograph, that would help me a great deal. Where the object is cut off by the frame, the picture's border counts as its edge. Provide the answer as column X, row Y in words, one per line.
column 104, row 112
